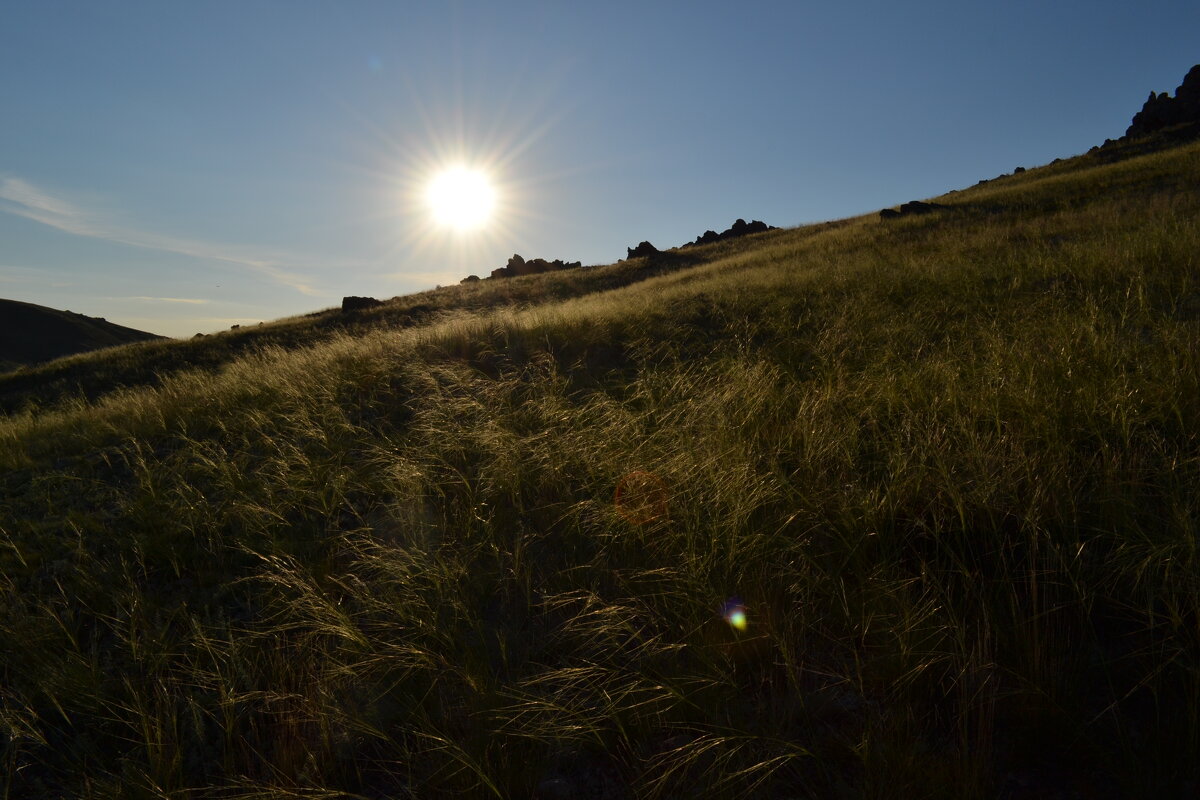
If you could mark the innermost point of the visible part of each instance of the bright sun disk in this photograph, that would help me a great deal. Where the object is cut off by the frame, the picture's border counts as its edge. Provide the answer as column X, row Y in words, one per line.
column 461, row 198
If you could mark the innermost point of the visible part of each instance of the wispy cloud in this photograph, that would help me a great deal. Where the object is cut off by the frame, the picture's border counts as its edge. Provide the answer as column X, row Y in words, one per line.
column 19, row 274
column 192, row 300
column 25, row 194
column 19, row 197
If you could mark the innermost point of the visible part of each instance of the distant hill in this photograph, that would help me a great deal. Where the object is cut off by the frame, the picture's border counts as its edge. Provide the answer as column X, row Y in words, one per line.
column 31, row 334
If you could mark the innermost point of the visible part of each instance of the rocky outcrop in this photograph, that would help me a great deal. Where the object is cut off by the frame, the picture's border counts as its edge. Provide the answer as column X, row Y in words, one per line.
column 911, row 208
column 643, row 250
column 515, row 266
column 359, row 303
column 739, row 228
column 518, row 266
column 918, row 207
column 1163, row 111
column 1163, row 122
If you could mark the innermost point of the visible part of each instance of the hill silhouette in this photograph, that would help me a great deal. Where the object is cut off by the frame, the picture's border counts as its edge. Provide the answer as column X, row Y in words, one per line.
column 32, row 334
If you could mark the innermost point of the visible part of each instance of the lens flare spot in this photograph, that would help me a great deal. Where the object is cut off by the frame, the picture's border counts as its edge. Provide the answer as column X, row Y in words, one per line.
column 734, row 613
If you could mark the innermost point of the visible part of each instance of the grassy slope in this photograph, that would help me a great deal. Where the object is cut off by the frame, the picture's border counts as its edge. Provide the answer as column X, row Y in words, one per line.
column 949, row 463
column 90, row 376
column 30, row 334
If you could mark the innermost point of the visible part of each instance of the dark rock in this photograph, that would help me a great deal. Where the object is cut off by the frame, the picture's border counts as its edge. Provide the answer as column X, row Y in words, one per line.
column 1163, row 111
column 359, row 303
column 912, row 208
column 1188, row 92
column 918, row 207
column 470, row 279
column 1018, row 170
column 1157, row 112
column 234, row 327
column 643, row 250
column 739, row 228
column 199, row 335
column 534, row 266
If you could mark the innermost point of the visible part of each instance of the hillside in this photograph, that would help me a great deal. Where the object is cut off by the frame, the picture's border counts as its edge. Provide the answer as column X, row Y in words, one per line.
column 31, row 334
column 91, row 376
column 877, row 508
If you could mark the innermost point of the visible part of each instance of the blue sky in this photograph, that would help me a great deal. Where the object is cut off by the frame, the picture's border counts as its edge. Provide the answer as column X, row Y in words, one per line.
column 181, row 167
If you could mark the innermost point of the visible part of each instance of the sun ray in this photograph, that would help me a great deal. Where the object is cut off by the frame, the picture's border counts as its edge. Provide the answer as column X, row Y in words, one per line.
column 435, row 136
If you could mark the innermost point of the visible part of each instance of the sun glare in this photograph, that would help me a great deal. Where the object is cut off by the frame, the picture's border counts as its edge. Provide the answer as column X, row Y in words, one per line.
column 461, row 198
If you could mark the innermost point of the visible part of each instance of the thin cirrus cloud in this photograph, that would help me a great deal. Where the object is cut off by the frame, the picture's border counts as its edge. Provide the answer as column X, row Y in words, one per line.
column 191, row 300
column 19, row 197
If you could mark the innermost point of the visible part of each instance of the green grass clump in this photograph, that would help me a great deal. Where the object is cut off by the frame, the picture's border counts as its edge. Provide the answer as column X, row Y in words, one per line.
column 948, row 464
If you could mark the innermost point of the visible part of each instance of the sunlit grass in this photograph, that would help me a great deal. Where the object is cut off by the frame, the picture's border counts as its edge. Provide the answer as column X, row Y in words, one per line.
column 928, row 526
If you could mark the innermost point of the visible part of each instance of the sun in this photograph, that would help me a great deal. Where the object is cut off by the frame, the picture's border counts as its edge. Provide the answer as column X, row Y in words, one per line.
column 461, row 198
